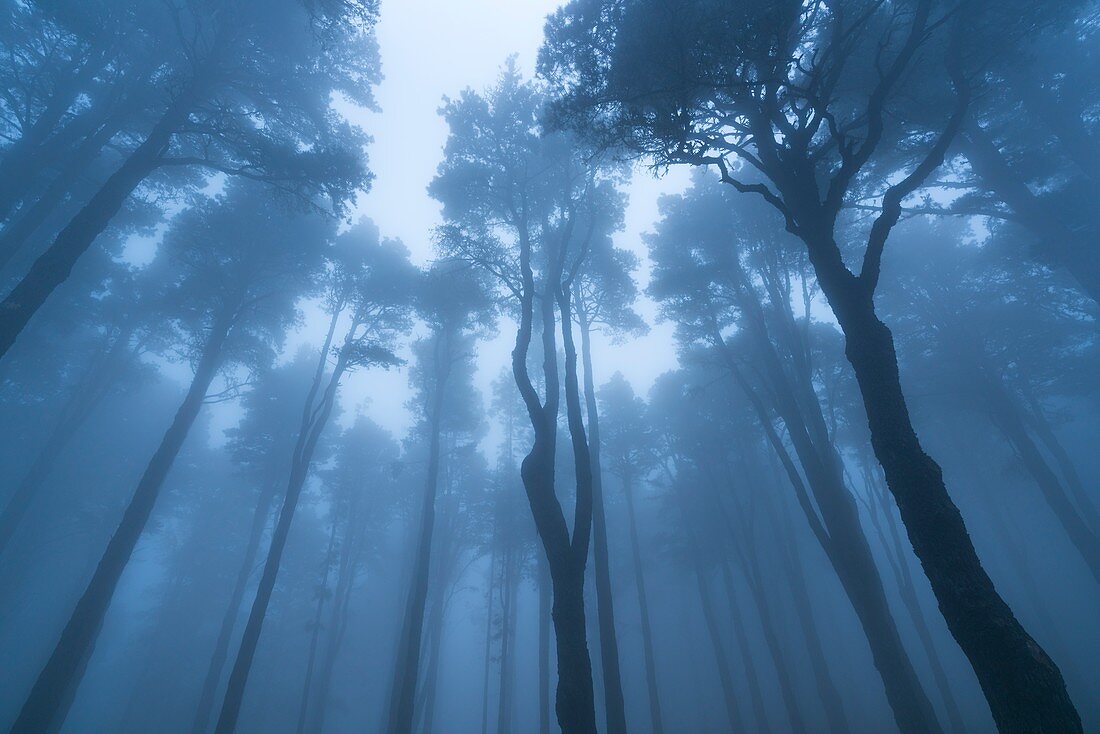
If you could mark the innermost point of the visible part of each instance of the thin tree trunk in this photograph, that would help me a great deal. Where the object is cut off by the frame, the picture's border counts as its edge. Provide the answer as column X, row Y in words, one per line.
column 47, row 705
column 729, row 696
column 845, row 542
column 759, row 710
column 823, row 678
column 605, row 607
column 408, row 661
column 431, row 677
column 643, row 606
column 53, row 267
column 1006, row 416
column 488, row 638
column 751, row 567
column 349, row 563
column 508, row 588
column 259, row 523
column 315, row 634
column 313, row 424
column 1038, row 421
column 229, row 619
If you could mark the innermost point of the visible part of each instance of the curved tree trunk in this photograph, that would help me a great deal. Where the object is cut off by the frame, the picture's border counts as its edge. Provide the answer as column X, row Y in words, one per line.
column 1024, row 687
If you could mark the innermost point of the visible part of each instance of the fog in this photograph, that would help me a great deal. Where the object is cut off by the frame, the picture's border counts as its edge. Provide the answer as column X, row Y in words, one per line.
column 598, row 366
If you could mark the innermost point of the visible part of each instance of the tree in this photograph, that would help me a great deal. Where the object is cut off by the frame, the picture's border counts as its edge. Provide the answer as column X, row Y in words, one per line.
column 455, row 307
column 260, row 446
column 370, row 280
column 806, row 96
column 630, row 446
column 523, row 207
column 242, row 264
column 245, row 90
column 728, row 277
column 602, row 297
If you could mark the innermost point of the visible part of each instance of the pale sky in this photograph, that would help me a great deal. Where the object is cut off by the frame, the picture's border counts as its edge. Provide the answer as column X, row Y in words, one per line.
column 431, row 49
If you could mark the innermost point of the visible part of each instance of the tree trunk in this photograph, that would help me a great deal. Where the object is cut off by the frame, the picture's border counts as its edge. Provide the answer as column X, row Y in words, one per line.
column 908, row 592
column 48, row 702
column 605, row 608
column 565, row 555
column 1024, row 687
column 338, row 622
column 845, row 541
column 508, row 588
column 751, row 567
column 1006, row 416
column 487, row 662
column 759, row 710
column 1041, row 426
column 54, row 266
column 544, row 698
column 315, row 634
column 823, row 678
column 314, row 420
column 30, row 218
column 229, row 620
column 729, row 696
column 408, row 660
column 431, row 677
column 643, row 606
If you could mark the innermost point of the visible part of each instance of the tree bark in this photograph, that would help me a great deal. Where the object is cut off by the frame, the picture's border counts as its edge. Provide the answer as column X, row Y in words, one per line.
column 48, row 702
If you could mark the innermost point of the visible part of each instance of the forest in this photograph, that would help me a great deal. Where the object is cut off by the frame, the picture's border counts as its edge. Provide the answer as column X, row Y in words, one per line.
column 648, row 366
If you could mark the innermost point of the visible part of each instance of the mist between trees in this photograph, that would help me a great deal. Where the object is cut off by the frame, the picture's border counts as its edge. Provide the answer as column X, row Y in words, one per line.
column 864, row 499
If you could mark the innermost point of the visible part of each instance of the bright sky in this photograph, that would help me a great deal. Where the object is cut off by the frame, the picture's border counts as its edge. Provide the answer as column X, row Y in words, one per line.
column 436, row 48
